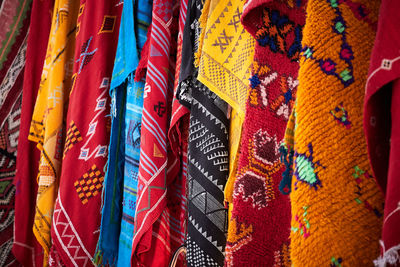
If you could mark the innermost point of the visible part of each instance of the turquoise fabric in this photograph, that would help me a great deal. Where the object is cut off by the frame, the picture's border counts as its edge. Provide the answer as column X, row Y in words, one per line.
column 120, row 185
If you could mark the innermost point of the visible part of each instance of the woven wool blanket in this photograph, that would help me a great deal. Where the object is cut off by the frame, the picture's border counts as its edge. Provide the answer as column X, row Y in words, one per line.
column 382, row 88
column 87, row 135
column 337, row 207
column 47, row 128
column 26, row 248
column 259, row 228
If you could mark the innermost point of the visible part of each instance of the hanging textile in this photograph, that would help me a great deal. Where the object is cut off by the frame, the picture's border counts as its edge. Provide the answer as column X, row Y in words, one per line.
column 14, row 24
column 133, row 118
column 87, row 135
column 206, row 212
column 116, row 234
column 158, row 233
column 336, row 205
column 47, row 119
column 26, row 249
column 207, row 174
column 382, row 88
column 259, row 228
column 178, row 139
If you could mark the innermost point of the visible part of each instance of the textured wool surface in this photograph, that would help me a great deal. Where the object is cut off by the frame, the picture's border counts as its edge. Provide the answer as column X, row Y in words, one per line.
column 260, row 224
column 383, row 87
column 337, row 208
column 26, row 248
column 47, row 127
column 87, row 135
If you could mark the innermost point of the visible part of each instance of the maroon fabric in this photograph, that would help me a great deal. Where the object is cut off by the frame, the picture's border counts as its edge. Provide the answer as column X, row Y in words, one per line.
column 26, row 249
column 383, row 134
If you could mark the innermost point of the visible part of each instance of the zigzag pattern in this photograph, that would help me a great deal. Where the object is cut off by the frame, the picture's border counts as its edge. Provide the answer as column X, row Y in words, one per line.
column 12, row 73
column 205, row 234
column 208, row 114
column 69, row 239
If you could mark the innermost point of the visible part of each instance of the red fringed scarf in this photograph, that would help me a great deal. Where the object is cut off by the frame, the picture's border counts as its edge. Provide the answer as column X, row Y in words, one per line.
column 76, row 218
column 259, row 228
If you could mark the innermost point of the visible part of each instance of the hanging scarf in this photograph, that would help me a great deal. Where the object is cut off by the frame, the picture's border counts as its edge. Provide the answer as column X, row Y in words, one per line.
column 259, row 228
column 224, row 57
column 178, row 138
column 207, row 174
column 382, row 137
column 157, row 232
column 87, row 135
column 336, row 204
column 115, row 242
column 26, row 249
column 47, row 119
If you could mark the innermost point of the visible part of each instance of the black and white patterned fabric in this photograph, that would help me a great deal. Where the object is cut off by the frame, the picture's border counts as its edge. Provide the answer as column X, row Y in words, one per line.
column 208, row 172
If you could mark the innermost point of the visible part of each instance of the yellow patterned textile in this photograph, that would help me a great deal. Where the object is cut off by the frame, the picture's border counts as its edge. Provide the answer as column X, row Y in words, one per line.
column 47, row 128
column 226, row 53
column 224, row 57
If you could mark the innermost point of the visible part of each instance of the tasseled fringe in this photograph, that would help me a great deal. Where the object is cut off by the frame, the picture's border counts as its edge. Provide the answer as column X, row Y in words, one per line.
column 203, row 24
column 285, row 185
column 104, row 258
column 390, row 257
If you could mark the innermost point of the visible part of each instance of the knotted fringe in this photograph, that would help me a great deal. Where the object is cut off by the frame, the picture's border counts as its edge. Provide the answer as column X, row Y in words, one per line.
column 390, row 257
column 104, row 258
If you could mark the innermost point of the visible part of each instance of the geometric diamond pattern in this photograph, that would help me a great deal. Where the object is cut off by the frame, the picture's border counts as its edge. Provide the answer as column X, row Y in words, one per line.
column 73, row 137
column 89, row 184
